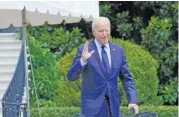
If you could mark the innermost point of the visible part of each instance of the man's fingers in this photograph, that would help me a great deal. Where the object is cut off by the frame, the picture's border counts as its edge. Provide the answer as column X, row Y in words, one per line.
column 133, row 108
column 86, row 45
column 91, row 52
column 136, row 111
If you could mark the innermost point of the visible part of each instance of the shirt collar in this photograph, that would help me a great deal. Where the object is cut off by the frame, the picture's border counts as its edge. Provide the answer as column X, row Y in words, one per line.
column 99, row 45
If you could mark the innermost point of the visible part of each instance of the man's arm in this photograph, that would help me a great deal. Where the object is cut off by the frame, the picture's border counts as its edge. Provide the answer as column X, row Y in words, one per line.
column 129, row 85
column 76, row 67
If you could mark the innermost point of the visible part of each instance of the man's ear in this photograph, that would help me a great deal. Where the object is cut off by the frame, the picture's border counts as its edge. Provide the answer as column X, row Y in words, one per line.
column 93, row 31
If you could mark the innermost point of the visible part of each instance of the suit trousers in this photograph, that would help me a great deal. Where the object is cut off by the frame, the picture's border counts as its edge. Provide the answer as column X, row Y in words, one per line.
column 109, row 107
column 105, row 110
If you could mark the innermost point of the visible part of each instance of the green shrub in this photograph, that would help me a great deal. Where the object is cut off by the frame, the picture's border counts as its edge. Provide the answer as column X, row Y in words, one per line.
column 162, row 111
column 70, row 95
column 142, row 65
column 156, row 38
column 64, row 63
column 123, row 27
column 44, row 69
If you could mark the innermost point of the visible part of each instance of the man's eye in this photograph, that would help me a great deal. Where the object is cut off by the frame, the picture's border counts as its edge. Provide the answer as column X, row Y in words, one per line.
column 101, row 31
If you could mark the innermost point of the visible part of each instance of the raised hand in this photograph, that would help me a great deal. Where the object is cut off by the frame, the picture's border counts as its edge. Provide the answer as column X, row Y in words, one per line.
column 85, row 53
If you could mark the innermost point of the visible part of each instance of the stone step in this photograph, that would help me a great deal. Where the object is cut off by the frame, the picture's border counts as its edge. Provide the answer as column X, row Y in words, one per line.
column 2, row 91
column 5, row 79
column 9, row 41
column 10, row 44
column 0, row 109
column 6, row 71
column 6, row 75
column 13, row 52
column 10, row 48
column 1, row 112
column 8, row 36
column 8, row 62
column 4, row 84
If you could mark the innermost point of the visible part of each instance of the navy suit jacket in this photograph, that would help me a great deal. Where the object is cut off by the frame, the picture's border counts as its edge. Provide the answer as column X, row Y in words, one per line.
column 95, row 83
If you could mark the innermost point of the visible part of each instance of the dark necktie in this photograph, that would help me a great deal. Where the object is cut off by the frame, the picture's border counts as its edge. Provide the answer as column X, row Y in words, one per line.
column 105, row 60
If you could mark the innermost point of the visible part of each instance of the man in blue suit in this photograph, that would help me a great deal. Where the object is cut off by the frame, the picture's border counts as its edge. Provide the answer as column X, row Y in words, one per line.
column 101, row 62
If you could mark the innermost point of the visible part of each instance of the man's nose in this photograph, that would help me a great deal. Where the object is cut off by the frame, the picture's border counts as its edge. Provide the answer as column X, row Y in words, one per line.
column 104, row 33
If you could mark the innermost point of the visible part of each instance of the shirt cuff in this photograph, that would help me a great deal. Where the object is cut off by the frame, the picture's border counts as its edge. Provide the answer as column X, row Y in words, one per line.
column 83, row 63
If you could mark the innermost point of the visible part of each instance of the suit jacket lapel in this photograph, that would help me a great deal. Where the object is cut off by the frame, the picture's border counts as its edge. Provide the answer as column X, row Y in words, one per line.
column 99, row 69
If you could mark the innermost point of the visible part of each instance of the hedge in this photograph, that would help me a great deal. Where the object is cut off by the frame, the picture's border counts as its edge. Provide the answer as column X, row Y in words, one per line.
column 161, row 111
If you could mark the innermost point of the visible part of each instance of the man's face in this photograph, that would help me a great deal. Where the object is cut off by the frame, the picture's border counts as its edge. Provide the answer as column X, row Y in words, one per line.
column 101, row 32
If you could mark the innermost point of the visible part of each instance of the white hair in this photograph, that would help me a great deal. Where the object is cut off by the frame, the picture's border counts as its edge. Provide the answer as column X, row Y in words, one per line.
column 99, row 20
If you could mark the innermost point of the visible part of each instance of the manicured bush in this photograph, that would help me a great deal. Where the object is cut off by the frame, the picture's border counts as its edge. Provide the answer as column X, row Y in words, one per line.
column 68, row 92
column 64, row 63
column 144, row 71
column 143, row 68
column 161, row 111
